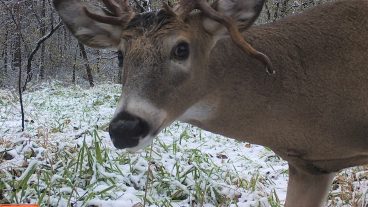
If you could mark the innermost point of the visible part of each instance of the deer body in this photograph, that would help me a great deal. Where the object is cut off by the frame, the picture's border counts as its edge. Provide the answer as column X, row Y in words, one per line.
column 313, row 112
column 315, row 108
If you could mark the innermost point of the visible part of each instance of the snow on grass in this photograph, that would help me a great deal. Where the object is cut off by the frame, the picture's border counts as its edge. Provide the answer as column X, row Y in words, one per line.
column 65, row 158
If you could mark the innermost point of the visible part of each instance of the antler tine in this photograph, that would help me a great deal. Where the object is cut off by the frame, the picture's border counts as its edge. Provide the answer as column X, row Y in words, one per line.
column 168, row 8
column 235, row 34
column 120, row 10
column 112, row 6
column 184, row 7
column 125, row 5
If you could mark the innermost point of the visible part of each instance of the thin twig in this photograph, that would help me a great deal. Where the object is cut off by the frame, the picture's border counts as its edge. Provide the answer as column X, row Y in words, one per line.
column 21, row 96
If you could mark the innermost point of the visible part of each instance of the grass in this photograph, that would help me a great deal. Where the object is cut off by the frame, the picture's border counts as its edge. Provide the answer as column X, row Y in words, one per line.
column 350, row 187
column 65, row 158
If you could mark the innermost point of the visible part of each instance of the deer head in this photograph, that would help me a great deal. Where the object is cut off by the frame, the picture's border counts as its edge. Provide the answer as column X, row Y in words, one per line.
column 166, row 56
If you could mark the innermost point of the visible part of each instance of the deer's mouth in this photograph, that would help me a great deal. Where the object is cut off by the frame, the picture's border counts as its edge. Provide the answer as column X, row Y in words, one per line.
column 143, row 143
column 146, row 141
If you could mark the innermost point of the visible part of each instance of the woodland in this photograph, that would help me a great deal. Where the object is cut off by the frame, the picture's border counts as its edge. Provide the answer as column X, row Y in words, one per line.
column 57, row 98
column 36, row 46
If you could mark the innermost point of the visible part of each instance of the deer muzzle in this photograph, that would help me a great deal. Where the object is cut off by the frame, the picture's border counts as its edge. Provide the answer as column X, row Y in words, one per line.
column 126, row 130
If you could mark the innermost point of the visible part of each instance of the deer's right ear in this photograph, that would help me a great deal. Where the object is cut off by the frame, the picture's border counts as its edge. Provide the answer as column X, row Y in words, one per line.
column 87, row 30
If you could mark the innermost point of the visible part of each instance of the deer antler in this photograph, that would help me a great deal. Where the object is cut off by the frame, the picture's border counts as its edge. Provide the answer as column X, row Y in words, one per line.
column 121, row 13
column 186, row 6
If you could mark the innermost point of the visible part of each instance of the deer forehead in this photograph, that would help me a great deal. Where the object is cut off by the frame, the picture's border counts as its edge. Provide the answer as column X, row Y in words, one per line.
column 153, row 24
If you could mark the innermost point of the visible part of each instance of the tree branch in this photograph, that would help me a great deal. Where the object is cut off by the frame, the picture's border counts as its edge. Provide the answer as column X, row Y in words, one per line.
column 34, row 51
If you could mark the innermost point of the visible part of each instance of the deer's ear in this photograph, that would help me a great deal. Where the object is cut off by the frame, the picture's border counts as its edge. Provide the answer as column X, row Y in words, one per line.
column 243, row 12
column 87, row 30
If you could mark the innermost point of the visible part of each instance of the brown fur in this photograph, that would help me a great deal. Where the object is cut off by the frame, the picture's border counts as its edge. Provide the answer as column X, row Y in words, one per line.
column 313, row 112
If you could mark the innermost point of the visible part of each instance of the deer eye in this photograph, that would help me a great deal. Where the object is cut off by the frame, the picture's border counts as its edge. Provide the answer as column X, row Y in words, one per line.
column 180, row 51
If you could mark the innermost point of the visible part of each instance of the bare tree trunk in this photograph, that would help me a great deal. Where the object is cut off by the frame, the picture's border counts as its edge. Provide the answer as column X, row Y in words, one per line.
column 284, row 9
column 4, row 55
column 121, row 63
column 43, row 32
column 17, row 61
column 86, row 64
column 60, row 37
column 120, row 76
column 17, row 58
column 98, row 61
column 74, row 67
column 65, row 38
column 268, row 12
column 276, row 14
column 21, row 96
column 5, row 51
column 42, row 63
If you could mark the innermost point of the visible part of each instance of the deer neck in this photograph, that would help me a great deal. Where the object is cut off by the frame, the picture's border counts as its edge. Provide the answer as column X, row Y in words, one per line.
column 278, row 111
column 238, row 86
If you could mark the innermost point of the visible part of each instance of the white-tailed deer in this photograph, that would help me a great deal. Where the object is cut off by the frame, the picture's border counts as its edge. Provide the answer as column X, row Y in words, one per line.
column 181, row 64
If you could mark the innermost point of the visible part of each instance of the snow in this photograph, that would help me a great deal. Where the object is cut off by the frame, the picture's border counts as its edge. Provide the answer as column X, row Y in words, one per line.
column 76, row 164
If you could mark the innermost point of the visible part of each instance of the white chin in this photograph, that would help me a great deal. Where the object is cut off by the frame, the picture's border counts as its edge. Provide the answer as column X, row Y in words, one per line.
column 143, row 143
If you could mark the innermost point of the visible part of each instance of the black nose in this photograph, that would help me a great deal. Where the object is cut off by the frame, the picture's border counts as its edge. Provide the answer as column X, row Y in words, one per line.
column 126, row 130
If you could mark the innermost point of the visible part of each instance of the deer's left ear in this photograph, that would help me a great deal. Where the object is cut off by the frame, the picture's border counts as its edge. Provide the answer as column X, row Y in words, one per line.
column 87, row 30
column 243, row 12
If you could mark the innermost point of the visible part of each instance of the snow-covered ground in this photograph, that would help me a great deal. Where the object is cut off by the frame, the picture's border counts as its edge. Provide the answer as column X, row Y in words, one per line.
column 65, row 158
